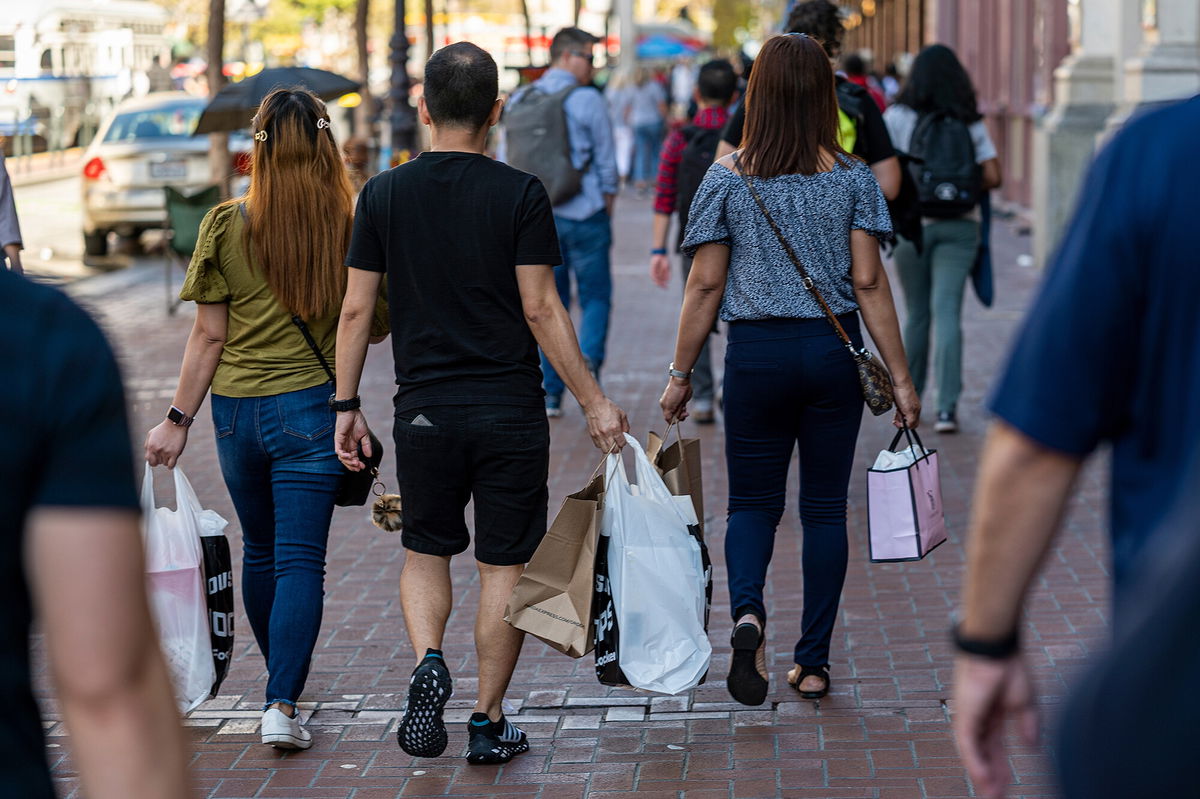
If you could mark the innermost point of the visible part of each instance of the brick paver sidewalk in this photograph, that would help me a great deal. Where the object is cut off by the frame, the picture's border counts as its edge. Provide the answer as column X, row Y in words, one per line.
column 883, row 732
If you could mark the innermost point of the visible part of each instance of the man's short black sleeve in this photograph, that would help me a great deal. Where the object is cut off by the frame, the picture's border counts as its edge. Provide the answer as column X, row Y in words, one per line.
column 537, row 239
column 366, row 246
column 735, row 127
column 84, row 450
column 875, row 144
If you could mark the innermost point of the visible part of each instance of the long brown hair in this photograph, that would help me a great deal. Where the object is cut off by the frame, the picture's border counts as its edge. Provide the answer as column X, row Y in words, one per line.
column 791, row 109
column 300, row 204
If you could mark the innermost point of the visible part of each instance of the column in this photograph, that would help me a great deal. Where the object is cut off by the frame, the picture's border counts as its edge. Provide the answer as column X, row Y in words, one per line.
column 1168, row 66
column 1085, row 94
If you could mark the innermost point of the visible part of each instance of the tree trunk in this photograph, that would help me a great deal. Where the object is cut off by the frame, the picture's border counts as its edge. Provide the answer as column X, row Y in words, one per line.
column 430, row 44
column 578, row 10
column 362, row 114
column 528, row 32
column 218, row 143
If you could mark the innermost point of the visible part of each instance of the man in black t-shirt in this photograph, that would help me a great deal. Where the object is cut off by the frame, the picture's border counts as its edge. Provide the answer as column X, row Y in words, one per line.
column 821, row 20
column 468, row 245
column 70, row 546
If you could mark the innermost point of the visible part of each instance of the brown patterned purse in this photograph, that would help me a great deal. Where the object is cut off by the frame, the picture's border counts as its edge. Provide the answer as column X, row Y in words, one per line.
column 873, row 377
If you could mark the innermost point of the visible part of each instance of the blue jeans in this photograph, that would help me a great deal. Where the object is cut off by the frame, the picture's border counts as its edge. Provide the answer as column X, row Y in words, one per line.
column 647, row 141
column 277, row 458
column 789, row 382
column 585, row 247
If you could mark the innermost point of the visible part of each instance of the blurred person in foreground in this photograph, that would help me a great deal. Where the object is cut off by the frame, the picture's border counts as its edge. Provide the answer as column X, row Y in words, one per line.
column 10, row 226
column 265, row 264
column 861, row 131
column 469, row 249
column 686, row 157
column 1109, row 353
column 789, row 380
column 71, row 553
column 1096, row 755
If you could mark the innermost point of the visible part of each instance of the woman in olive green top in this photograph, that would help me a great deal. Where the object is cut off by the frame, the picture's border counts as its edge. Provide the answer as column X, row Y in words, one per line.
column 261, row 259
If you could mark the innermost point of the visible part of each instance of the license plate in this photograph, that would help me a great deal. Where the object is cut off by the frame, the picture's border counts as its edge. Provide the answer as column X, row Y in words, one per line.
column 169, row 170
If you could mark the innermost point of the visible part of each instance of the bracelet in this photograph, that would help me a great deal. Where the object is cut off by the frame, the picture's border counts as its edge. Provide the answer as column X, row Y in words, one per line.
column 678, row 373
column 993, row 649
column 659, row 251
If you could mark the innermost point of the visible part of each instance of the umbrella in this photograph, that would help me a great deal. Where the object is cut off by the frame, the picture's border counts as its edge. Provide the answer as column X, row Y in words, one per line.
column 235, row 105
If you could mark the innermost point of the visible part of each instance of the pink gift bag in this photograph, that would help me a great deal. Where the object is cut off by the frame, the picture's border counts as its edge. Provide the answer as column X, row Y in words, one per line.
column 904, row 502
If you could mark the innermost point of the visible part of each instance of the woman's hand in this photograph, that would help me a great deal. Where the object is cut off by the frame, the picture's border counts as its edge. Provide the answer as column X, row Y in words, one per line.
column 675, row 399
column 908, row 406
column 165, row 443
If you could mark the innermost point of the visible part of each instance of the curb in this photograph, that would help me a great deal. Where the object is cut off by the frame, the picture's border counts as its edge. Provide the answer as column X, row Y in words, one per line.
column 20, row 179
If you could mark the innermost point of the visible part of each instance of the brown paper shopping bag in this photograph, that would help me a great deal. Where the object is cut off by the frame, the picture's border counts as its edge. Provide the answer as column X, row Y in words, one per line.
column 553, row 599
column 679, row 464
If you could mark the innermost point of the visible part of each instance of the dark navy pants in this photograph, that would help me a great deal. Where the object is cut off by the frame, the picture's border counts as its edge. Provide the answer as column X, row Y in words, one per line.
column 790, row 382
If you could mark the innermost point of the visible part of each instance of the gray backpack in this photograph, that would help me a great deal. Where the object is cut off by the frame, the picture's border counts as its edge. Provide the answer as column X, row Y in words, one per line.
column 537, row 141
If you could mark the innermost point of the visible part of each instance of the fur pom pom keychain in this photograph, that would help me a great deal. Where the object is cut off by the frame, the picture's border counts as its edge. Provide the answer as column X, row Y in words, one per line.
column 385, row 512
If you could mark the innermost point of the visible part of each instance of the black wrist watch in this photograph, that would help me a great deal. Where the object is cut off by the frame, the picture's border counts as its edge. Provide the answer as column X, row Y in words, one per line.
column 992, row 649
column 179, row 418
column 341, row 406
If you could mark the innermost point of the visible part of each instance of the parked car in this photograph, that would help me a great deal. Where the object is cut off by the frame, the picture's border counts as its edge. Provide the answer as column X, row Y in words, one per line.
column 144, row 145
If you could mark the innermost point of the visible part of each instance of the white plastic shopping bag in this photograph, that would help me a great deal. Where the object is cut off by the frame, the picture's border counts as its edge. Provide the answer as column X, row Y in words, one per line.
column 174, row 567
column 657, row 578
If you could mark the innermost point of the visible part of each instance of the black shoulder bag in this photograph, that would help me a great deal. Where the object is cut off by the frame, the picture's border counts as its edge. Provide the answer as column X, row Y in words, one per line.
column 872, row 375
column 355, row 487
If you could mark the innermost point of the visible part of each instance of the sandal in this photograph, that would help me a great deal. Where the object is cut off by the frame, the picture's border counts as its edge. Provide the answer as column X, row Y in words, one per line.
column 747, row 681
column 809, row 671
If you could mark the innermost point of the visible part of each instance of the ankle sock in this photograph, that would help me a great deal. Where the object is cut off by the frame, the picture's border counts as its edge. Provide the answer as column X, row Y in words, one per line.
column 433, row 653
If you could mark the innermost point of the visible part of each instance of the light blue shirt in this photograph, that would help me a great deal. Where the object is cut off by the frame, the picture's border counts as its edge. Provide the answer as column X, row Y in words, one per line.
column 591, row 135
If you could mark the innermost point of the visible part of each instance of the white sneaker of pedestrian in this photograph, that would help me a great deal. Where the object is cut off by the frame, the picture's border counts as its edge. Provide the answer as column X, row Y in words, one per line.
column 283, row 731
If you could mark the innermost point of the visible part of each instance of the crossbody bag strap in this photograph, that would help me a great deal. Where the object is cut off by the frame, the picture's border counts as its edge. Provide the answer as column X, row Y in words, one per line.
column 298, row 322
column 804, row 276
column 312, row 345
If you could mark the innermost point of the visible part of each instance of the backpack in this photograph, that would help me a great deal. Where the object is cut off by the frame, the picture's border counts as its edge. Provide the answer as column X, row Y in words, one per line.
column 698, row 155
column 949, row 181
column 850, row 98
column 538, row 142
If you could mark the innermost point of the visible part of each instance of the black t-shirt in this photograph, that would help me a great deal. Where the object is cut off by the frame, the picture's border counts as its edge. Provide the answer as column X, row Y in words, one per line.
column 449, row 229
column 64, row 442
column 872, row 145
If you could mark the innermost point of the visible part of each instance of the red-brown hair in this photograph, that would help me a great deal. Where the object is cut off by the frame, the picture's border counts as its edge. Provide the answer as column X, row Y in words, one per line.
column 791, row 109
column 300, row 204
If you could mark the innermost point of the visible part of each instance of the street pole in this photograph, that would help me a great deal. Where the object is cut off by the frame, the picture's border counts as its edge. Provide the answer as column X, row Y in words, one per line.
column 218, row 143
column 403, row 123
column 627, row 28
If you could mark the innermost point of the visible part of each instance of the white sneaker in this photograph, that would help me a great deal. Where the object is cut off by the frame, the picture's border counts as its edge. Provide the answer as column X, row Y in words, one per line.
column 283, row 731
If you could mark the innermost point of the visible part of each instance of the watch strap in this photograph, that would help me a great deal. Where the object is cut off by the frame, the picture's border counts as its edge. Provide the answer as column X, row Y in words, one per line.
column 342, row 406
column 992, row 649
column 679, row 374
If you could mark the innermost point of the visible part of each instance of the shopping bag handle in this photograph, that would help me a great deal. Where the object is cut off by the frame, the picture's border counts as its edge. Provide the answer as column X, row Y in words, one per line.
column 910, row 434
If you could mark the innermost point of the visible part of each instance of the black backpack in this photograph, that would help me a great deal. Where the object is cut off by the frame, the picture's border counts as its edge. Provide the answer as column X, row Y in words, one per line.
column 698, row 155
column 949, row 181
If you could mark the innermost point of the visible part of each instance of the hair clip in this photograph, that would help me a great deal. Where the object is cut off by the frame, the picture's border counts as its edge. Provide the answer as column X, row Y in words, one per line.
column 260, row 136
column 797, row 33
column 322, row 123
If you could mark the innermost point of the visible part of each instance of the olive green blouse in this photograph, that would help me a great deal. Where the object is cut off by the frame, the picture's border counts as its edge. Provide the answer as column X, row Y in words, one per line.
column 265, row 353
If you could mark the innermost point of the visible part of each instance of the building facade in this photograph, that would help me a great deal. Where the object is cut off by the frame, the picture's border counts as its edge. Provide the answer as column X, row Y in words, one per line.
column 1053, row 77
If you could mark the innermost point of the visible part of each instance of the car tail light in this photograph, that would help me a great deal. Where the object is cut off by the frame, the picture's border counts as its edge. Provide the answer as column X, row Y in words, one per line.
column 93, row 169
column 241, row 163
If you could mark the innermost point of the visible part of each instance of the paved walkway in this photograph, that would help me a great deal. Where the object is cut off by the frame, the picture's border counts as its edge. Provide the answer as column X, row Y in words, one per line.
column 883, row 732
